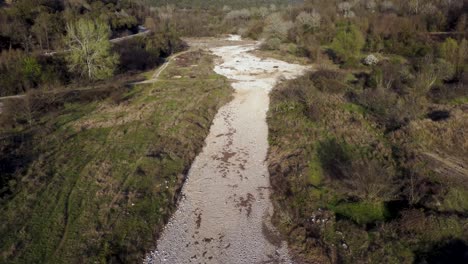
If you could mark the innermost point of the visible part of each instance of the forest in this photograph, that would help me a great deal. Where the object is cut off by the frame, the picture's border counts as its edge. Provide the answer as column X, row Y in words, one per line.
column 367, row 151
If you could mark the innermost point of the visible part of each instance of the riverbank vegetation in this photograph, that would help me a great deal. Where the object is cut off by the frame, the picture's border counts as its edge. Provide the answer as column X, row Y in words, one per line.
column 48, row 45
column 368, row 150
column 93, row 176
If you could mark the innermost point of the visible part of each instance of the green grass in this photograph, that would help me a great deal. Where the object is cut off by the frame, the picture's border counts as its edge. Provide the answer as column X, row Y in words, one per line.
column 362, row 212
column 315, row 172
column 105, row 178
column 459, row 101
column 354, row 108
column 456, row 200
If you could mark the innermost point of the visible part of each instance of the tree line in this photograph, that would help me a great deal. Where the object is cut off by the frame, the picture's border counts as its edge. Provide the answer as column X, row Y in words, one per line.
column 77, row 33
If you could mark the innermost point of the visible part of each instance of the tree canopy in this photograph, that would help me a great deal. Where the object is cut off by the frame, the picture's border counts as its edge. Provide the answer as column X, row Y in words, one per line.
column 90, row 49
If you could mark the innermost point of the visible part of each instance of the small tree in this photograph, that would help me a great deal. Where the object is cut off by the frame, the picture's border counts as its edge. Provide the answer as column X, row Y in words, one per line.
column 32, row 71
column 449, row 50
column 90, row 49
column 348, row 43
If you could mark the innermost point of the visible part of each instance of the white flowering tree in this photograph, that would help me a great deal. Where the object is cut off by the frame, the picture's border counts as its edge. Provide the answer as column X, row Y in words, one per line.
column 371, row 5
column 309, row 21
column 345, row 9
column 277, row 27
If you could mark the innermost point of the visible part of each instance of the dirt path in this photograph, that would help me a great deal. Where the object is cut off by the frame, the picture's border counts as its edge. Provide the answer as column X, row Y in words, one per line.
column 157, row 73
column 225, row 211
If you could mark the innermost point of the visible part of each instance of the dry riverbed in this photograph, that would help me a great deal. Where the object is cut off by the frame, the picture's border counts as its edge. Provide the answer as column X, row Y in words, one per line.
column 224, row 215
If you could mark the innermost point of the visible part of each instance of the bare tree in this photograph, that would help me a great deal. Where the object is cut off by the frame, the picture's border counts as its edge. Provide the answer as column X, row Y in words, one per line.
column 369, row 180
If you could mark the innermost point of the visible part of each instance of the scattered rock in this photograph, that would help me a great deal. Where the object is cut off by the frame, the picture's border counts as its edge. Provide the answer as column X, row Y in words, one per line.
column 344, row 245
column 370, row 60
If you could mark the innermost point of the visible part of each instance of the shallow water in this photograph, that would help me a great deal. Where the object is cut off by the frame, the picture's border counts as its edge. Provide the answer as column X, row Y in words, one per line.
column 225, row 210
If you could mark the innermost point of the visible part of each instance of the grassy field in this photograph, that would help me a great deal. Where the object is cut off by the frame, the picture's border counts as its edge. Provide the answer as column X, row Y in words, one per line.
column 342, row 183
column 106, row 174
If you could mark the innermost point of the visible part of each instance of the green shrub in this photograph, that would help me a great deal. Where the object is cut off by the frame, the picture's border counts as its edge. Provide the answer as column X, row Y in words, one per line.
column 348, row 43
column 32, row 70
column 362, row 212
column 329, row 81
column 254, row 29
column 334, row 155
column 456, row 200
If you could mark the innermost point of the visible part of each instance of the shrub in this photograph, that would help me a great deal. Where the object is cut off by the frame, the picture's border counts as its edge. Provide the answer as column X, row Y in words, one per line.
column 347, row 43
column 369, row 180
column 254, row 29
column 271, row 44
column 310, row 48
column 362, row 212
column 330, row 81
column 19, row 72
column 334, row 157
column 238, row 14
column 31, row 70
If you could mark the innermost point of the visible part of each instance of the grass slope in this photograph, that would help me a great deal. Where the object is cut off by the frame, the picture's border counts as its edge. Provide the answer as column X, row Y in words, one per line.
column 107, row 173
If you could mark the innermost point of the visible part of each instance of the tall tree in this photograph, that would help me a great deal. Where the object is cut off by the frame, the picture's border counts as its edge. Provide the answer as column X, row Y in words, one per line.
column 90, row 49
column 42, row 27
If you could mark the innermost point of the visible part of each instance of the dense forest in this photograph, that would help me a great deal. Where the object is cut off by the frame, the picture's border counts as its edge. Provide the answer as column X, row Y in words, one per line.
column 368, row 151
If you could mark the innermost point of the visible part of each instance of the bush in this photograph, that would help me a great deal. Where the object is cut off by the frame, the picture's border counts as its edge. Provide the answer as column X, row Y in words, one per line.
column 310, row 48
column 330, row 81
column 271, row 44
column 353, row 175
column 31, row 70
column 19, row 72
column 254, row 29
column 334, row 157
column 362, row 212
column 347, row 43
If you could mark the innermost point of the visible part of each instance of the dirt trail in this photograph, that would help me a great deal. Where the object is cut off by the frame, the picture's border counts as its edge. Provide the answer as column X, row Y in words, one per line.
column 225, row 211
